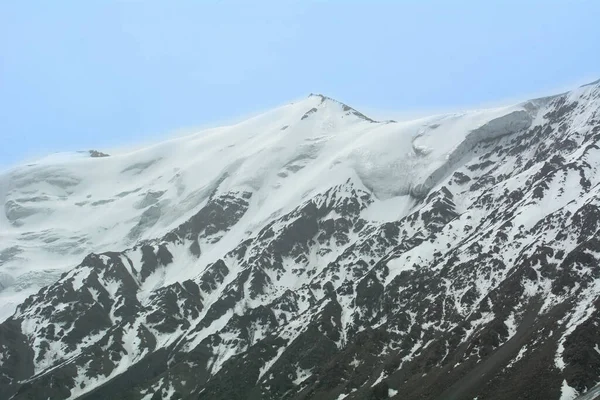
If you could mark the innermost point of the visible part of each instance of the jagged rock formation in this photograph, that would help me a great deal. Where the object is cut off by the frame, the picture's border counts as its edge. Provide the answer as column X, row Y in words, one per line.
column 96, row 153
column 363, row 260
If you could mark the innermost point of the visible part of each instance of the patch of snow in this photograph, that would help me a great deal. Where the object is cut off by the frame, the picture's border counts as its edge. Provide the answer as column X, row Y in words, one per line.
column 301, row 375
column 79, row 276
column 355, row 362
column 511, row 326
column 518, row 357
column 386, row 210
column 267, row 366
column 567, row 392
column 580, row 314
column 381, row 377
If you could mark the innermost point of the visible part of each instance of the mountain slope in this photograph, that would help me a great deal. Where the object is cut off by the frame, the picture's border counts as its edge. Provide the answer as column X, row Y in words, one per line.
column 312, row 252
column 63, row 207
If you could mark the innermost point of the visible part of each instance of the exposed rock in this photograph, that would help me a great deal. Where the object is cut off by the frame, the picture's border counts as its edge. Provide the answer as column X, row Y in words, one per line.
column 485, row 286
column 97, row 154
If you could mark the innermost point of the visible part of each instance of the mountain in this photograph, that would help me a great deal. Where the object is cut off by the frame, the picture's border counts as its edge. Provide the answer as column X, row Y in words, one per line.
column 312, row 253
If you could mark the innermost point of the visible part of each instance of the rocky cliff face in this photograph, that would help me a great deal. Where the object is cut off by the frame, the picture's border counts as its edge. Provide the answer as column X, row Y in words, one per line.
column 475, row 276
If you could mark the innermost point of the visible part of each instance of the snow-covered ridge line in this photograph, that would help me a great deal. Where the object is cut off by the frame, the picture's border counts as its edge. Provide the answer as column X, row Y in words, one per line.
column 61, row 208
column 347, row 108
column 290, row 243
column 510, row 123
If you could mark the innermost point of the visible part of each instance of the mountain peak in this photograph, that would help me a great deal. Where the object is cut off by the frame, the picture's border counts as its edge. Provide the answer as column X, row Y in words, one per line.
column 97, row 154
column 381, row 259
column 345, row 107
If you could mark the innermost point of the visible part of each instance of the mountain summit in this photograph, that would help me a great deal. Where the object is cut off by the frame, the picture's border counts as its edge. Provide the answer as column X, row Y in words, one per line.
column 312, row 252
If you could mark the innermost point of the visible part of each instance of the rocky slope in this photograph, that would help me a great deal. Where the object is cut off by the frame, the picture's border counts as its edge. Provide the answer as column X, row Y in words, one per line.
column 313, row 253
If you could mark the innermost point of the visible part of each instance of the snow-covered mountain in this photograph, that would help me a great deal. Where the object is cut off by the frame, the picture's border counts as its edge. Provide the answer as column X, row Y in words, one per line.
column 312, row 253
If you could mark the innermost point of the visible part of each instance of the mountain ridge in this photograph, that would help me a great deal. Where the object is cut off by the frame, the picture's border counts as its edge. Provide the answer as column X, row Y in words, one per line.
column 303, row 265
column 63, row 172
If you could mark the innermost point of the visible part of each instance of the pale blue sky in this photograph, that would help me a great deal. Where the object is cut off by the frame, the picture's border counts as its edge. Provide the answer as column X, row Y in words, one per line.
column 87, row 74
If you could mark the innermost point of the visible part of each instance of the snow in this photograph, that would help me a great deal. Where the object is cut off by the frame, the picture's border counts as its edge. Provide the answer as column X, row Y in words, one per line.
column 84, row 384
column 580, row 314
column 484, row 319
column 168, row 393
column 224, row 351
column 79, row 276
column 398, row 265
column 519, row 356
column 381, row 377
column 301, row 375
column 355, row 362
column 216, row 326
column 62, row 206
column 511, row 326
column 387, row 210
column 591, row 394
column 567, row 392
column 392, row 392
column 267, row 366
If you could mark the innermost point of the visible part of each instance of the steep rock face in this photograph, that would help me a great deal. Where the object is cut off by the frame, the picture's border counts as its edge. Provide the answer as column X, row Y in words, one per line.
column 484, row 285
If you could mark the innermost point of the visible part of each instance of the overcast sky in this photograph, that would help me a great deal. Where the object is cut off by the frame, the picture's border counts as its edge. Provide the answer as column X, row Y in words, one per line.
column 76, row 75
